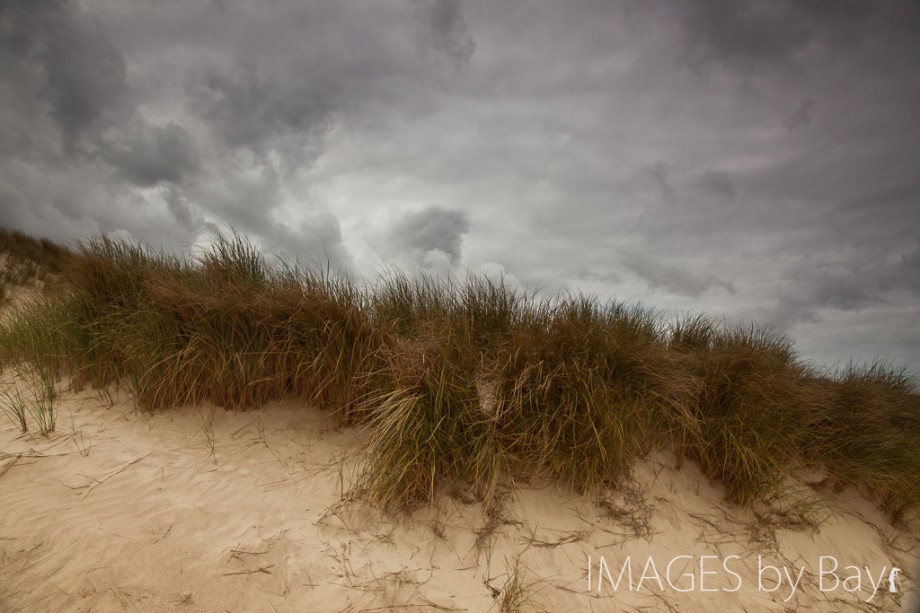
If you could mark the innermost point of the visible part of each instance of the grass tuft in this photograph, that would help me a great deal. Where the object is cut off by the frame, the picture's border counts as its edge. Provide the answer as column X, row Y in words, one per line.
column 14, row 405
column 467, row 386
column 869, row 429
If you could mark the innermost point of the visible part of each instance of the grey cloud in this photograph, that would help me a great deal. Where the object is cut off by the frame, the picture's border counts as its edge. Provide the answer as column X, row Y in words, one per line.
column 845, row 285
column 660, row 173
column 232, row 120
column 86, row 76
column 671, row 277
column 181, row 209
column 301, row 67
column 446, row 27
column 799, row 303
column 908, row 270
column 316, row 242
column 155, row 154
column 897, row 271
column 717, row 183
column 579, row 149
column 244, row 195
column 803, row 300
column 249, row 105
column 83, row 73
column 802, row 115
column 10, row 207
column 768, row 34
column 248, row 195
column 585, row 273
column 433, row 229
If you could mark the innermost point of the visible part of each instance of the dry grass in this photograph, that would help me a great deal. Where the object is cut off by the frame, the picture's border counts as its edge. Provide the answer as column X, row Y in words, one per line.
column 516, row 594
column 39, row 407
column 27, row 260
column 469, row 386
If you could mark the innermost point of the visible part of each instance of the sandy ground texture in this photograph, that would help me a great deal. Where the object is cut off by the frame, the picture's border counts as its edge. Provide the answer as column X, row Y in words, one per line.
column 201, row 509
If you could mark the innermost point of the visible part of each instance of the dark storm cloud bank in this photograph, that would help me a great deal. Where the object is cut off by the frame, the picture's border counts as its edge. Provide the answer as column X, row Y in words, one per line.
column 796, row 251
column 764, row 35
column 154, row 154
column 851, row 284
column 167, row 120
column 64, row 56
column 756, row 159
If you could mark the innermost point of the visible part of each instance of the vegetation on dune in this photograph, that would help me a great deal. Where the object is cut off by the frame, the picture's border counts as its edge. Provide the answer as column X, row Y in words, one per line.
column 24, row 262
column 469, row 385
column 26, row 259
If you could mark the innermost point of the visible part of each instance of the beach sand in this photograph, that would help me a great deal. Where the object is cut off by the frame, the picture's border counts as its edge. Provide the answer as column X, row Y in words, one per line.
column 201, row 509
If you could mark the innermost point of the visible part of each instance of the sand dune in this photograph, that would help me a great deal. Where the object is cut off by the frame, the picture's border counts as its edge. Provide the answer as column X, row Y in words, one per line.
column 200, row 509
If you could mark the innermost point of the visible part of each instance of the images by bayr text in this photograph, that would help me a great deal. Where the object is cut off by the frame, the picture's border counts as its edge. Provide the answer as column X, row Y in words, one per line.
column 707, row 573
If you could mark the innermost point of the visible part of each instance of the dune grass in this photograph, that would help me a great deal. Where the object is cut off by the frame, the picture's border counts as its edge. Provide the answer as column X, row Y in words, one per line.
column 753, row 413
column 14, row 405
column 869, row 433
column 27, row 259
column 40, row 409
column 469, row 385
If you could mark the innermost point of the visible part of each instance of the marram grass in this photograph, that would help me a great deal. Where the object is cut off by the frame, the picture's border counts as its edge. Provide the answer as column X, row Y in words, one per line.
column 468, row 385
column 24, row 260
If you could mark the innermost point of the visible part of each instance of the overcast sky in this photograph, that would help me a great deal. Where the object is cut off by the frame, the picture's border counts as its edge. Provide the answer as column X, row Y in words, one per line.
column 755, row 160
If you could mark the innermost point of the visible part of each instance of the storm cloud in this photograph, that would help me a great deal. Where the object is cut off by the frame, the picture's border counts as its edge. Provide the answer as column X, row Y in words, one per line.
column 779, row 35
column 431, row 230
column 63, row 57
column 672, row 277
column 154, row 155
column 756, row 160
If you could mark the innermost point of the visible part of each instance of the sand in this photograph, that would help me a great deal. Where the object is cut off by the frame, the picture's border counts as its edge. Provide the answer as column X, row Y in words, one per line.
column 201, row 509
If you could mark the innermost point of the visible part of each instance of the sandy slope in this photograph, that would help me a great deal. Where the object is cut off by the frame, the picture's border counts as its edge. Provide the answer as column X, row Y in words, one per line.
column 120, row 510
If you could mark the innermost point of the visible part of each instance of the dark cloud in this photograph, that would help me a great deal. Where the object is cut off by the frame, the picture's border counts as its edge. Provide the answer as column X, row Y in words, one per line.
column 82, row 73
column 717, row 184
column 812, row 288
column 756, row 160
column 86, row 75
column 769, row 34
column 247, row 105
column 673, row 278
column 802, row 115
column 445, row 28
column 10, row 206
column 317, row 242
column 182, row 211
column 154, row 154
column 432, row 229
column 660, row 173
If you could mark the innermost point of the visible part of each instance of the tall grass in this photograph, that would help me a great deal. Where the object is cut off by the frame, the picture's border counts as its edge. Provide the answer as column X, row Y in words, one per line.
column 752, row 407
column 226, row 329
column 431, row 426
column 869, row 433
column 469, row 384
column 578, row 396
